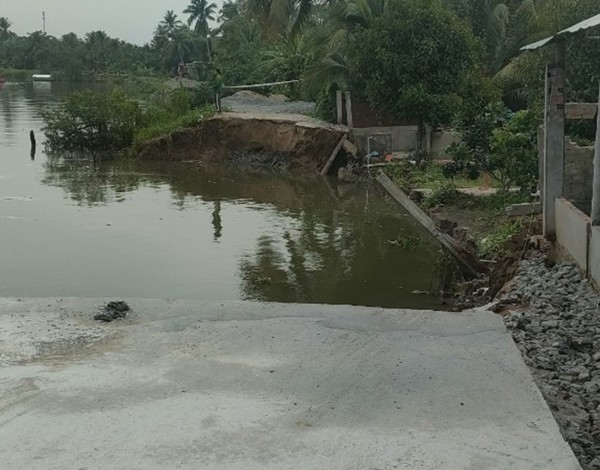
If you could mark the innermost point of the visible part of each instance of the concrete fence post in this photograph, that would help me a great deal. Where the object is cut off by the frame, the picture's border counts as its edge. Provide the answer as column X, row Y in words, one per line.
column 428, row 136
column 349, row 110
column 554, row 140
column 595, row 215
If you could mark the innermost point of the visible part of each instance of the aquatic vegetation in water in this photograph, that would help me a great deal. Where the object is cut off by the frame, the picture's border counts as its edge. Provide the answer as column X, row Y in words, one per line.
column 406, row 242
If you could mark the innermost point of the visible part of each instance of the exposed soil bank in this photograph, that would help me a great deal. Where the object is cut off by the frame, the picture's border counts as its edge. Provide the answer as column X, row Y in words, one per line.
column 305, row 142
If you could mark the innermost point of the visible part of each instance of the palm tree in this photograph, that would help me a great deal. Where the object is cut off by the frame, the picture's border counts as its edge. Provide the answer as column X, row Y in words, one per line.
column 333, row 36
column 170, row 23
column 201, row 12
column 278, row 17
column 503, row 26
column 37, row 53
column 97, row 43
column 5, row 25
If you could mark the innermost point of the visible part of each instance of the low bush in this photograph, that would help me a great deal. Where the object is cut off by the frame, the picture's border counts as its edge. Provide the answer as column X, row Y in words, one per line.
column 442, row 193
column 92, row 122
column 494, row 241
column 97, row 122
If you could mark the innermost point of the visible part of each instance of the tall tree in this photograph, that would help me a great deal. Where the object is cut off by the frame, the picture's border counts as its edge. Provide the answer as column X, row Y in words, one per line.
column 97, row 43
column 332, row 40
column 5, row 32
column 415, row 62
column 278, row 17
column 503, row 26
column 170, row 23
column 201, row 12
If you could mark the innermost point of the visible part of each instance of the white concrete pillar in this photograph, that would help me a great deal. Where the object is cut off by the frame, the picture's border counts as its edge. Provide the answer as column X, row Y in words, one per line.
column 349, row 110
column 428, row 136
column 595, row 215
column 554, row 139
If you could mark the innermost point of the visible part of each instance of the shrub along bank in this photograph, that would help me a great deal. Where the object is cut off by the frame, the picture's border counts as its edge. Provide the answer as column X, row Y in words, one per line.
column 100, row 123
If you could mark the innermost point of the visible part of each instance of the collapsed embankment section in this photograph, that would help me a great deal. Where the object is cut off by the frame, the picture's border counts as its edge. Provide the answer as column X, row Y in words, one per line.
column 300, row 142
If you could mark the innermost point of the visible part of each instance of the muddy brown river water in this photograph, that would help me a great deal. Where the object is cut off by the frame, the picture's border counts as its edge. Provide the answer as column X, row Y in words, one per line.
column 133, row 229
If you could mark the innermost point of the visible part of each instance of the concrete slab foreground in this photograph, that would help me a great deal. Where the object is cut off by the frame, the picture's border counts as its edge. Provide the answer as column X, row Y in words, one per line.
column 189, row 385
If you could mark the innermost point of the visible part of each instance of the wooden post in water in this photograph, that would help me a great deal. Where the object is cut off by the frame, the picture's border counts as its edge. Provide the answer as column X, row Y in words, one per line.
column 33, row 144
column 339, row 106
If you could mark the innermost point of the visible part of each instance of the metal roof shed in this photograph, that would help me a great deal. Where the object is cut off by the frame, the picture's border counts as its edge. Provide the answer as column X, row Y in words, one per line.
column 581, row 26
column 554, row 128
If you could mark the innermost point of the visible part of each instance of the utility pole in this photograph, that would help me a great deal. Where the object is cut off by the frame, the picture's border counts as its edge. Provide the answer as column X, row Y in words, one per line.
column 44, row 21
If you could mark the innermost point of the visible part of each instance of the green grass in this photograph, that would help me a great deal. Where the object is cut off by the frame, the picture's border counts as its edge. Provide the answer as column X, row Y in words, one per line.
column 432, row 176
column 408, row 177
column 18, row 75
column 498, row 236
column 141, row 87
column 163, row 122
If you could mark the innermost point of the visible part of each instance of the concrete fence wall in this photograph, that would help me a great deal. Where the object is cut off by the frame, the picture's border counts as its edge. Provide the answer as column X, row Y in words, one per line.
column 572, row 233
column 594, row 255
column 400, row 139
column 578, row 175
column 578, row 239
column 440, row 141
column 578, row 172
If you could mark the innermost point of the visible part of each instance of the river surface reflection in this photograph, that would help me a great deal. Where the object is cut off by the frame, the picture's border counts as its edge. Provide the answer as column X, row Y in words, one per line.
column 70, row 227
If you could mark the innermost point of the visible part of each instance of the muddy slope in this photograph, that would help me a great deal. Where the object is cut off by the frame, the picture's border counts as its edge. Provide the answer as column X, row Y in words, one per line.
column 307, row 142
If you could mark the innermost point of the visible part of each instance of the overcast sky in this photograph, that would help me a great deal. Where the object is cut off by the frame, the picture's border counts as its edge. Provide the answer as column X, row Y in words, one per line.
column 131, row 20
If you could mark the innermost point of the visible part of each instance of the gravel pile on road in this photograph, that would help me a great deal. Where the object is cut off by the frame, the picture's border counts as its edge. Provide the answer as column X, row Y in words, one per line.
column 558, row 333
column 250, row 102
column 112, row 311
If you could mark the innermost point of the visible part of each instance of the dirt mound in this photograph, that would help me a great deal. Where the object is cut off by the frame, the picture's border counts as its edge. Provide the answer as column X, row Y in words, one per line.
column 250, row 102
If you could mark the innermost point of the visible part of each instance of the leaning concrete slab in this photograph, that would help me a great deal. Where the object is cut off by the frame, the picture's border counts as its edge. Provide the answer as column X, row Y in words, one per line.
column 239, row 385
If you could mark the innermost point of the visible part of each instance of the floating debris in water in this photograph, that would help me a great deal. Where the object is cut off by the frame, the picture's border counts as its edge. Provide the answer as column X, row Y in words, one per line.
column 113, row 311
column 19, row 198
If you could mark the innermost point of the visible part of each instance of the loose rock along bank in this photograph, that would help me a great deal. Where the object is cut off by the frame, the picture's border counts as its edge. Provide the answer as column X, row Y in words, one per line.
column 556, row 325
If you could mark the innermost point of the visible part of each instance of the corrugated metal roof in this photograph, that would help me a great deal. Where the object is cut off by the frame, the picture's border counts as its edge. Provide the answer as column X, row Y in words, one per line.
column 585, row 24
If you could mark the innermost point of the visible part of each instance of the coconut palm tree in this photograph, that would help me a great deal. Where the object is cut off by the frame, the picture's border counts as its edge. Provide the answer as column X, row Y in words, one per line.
column 503, row 26
column 278, row 17
column 201, row 12
column 170, row 23
column 333, row 36
column 5, row 31
column 97, row 44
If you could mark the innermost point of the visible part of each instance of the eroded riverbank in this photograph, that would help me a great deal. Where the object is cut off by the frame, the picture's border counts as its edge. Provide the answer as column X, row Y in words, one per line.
column 303, row 143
